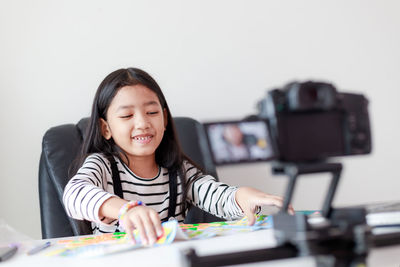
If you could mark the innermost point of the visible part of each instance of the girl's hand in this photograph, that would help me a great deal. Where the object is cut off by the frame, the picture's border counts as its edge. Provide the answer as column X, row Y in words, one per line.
column 146, row 221
column 249, row 199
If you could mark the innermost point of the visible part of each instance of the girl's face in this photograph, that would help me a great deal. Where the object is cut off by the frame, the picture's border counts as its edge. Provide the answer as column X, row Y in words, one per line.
column 136, row 121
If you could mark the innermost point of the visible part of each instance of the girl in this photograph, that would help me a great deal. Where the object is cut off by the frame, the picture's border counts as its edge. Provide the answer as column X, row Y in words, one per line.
column 131, row 134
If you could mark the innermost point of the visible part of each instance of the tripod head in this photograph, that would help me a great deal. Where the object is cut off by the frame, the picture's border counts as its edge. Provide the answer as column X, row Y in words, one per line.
column 340, row 238
column 341, row 233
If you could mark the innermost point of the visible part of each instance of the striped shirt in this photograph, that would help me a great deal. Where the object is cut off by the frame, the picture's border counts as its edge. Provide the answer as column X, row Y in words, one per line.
column 93, row 185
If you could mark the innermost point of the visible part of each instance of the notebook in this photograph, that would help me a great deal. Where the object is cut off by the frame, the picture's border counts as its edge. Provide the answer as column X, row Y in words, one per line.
column 385, row 214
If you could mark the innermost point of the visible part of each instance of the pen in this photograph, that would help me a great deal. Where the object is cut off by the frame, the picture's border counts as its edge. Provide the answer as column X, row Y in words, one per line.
column 39, row 248
column 8, row 252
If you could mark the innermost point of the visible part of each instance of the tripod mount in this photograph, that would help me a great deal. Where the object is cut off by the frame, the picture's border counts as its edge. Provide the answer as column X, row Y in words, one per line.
column 340, row 238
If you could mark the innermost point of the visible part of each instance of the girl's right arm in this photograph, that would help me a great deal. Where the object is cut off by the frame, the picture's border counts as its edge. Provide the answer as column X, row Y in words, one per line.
column 146, row 220
column 85, row 192
column 85, row 198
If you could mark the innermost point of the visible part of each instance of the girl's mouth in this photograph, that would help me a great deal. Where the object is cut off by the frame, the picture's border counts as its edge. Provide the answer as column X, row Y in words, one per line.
column 143, row 139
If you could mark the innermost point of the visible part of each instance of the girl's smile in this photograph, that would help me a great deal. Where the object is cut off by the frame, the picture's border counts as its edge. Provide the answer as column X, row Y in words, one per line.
column 143, row 138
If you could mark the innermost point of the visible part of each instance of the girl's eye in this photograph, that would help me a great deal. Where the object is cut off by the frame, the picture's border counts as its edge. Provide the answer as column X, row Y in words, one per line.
column 152, row 112
column 126, row 116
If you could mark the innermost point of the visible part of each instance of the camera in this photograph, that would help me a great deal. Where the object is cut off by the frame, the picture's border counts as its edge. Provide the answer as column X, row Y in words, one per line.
column 301, row 122
column 311, row 121
column 300, row 126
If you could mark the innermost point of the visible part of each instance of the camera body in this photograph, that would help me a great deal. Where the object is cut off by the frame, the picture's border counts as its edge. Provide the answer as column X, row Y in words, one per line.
column 311, row 121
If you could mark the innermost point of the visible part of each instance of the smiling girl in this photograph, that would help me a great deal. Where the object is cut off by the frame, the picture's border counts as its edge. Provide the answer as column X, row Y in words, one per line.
column 131, row 133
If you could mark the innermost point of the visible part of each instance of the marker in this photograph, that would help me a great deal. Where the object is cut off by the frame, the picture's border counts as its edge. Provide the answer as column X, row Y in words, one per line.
column 39, row 248
column 7, row 252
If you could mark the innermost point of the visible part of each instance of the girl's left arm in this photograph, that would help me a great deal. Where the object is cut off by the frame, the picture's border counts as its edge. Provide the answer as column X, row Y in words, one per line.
column 211, row 196
column 214, row 197
column 249, row 199
column 226, row 201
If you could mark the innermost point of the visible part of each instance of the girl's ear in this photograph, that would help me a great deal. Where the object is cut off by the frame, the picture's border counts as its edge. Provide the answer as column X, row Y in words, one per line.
column 165, row 118
column 105, row 129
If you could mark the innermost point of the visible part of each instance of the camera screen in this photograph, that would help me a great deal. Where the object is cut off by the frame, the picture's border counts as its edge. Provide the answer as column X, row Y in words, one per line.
column 239, row 141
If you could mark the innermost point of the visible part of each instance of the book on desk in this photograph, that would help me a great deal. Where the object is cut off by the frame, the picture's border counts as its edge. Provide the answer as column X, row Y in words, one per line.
column 384, row 217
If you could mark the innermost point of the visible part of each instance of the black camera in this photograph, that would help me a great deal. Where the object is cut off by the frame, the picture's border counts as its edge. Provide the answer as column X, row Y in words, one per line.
column 302, row 122
column 311, row 121
column 300, row 126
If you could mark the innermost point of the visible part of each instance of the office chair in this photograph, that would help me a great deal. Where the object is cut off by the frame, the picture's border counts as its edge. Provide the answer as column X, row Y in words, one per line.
column 60, row 147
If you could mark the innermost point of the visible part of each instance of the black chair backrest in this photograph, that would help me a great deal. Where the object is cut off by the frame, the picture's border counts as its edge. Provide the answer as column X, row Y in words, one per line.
column 60, row 147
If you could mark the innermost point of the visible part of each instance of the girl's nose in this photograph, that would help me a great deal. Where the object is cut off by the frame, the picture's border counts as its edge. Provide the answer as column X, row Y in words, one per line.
column 141, row 121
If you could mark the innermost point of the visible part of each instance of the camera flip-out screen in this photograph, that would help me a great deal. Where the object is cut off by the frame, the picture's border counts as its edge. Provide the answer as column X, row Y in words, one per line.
column 239, row 141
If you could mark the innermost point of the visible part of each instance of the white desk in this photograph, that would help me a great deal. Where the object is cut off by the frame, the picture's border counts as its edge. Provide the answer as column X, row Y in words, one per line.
column 169, row 255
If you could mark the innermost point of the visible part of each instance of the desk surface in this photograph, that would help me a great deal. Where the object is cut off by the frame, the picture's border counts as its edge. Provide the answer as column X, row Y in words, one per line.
column 170, row 255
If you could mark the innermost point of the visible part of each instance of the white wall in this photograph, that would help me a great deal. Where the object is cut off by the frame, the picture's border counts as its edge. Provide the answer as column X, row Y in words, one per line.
column 213, row 59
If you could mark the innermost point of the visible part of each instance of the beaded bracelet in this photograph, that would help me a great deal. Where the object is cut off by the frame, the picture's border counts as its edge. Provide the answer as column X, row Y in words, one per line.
column 125, row 208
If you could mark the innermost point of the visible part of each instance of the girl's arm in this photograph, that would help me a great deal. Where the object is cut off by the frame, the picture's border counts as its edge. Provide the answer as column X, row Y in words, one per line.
column 144, row 219
column 110, row 208
column 214, row 197
column 226, row 201
column 85, row 198
column 84, row 194
column 249, row 199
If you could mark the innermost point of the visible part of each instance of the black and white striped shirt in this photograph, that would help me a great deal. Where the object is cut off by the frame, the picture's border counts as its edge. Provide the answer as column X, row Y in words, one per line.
column 93, row 185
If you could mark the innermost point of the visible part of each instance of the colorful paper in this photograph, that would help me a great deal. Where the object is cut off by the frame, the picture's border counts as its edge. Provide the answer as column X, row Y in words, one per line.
column 110, row 243
column 207, row 230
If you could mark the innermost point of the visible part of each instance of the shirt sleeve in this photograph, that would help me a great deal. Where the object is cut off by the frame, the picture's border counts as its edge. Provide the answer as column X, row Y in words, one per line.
column 214, row 197
column 85, row 193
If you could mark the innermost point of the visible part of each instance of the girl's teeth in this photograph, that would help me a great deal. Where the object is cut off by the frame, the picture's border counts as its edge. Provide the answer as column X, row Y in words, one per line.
column 142, row 138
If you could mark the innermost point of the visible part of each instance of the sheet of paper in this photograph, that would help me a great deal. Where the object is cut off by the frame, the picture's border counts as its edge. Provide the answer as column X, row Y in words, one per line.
column 105, row 244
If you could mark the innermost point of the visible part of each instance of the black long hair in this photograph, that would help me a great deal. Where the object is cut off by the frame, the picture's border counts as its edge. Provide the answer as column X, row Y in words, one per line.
column 168, row 154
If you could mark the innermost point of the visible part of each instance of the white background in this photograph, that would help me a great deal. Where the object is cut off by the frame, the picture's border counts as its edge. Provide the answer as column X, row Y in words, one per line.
column 213, row 59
